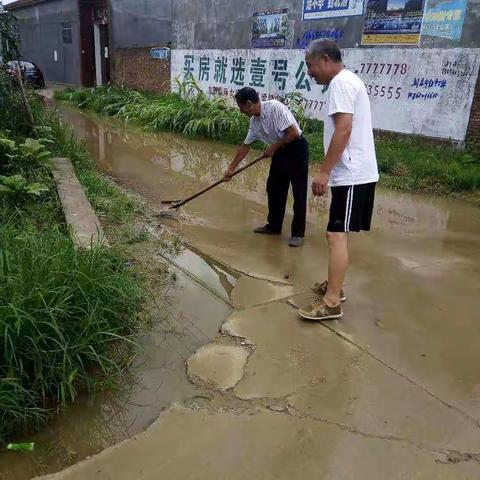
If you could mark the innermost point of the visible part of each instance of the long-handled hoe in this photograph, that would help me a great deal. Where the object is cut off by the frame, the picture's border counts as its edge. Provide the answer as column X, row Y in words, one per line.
column 168, row 207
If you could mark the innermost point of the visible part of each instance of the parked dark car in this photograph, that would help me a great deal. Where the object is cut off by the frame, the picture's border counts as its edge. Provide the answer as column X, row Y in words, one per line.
column 31, row 74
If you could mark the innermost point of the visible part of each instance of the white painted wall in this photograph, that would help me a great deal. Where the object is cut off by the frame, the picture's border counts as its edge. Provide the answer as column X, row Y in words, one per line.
column 415, row 91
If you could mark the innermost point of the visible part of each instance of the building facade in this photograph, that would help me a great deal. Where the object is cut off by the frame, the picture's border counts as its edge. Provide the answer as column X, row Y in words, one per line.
column 227, row 24
column 89, row 42
column 67, row 39
column 137, row 28
column 434, row 43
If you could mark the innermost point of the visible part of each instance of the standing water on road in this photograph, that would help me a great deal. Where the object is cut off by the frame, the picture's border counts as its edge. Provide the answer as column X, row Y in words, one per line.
column 413, row 299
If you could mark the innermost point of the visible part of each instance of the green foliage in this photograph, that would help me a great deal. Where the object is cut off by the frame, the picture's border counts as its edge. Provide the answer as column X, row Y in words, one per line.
column 411, row 165
column 24, row 170
column 9, row 35
column 18, row 187
column 190, row 112
column 13, row 117
column 62, row 313
column 294, row 100
column 65, row 314
column 27, row 157
column 18, row 407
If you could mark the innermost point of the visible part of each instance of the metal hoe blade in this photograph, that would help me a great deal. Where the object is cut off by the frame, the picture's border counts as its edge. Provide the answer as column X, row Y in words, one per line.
column 169, row 209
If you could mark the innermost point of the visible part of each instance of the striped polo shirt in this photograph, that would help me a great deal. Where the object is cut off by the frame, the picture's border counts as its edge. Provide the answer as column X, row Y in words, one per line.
column 270, row 126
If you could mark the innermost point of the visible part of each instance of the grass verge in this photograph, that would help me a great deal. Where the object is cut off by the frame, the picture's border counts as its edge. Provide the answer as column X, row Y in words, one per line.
column 405, row 164
column 67, row 316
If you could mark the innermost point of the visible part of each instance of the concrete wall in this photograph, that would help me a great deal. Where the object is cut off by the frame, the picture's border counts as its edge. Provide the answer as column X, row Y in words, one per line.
column 41, row 31
column 140, row 23
column 135, row 26
column 227, row 24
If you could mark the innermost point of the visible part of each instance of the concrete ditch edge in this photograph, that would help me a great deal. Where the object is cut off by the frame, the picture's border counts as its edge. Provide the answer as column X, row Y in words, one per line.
column 81, row 219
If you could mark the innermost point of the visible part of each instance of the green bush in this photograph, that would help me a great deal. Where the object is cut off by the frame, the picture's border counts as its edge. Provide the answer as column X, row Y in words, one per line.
column 17, row 187
column 195, row 115
column 65, row 314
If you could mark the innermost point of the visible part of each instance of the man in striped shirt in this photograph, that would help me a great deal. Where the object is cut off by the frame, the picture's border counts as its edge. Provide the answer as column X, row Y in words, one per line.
column 272, row 123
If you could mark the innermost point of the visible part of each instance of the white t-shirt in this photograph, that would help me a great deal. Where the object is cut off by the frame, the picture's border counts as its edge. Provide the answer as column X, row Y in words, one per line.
column 358, row 164
column 270, row 126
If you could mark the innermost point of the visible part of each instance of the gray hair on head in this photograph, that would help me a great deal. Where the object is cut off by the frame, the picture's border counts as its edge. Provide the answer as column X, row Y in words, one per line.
column 324, row 46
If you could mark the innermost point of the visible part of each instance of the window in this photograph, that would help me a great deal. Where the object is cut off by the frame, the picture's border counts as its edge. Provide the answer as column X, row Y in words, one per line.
column 67, row 32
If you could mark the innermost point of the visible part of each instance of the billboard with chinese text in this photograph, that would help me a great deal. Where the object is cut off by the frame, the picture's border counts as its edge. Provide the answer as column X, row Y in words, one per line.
column 426, row 92
column 318, row 9
column 444, row 18
column 393, row 22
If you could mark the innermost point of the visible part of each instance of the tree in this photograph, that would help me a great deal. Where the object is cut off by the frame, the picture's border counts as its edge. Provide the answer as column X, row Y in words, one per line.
column 10, row 43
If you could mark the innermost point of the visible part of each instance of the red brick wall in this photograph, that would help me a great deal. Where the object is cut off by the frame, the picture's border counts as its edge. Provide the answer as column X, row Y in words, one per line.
column 135, row 68
column 473, row 132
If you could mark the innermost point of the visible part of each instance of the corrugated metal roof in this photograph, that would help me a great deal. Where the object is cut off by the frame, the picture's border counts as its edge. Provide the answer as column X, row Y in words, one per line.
column 23, row 3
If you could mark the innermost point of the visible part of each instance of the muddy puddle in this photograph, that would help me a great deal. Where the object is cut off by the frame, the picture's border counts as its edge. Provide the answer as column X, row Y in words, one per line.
column 413, row 230
column 419, row 247
column 170, row 166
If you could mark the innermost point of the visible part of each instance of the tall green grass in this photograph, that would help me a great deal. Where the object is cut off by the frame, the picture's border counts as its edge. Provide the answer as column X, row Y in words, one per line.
column 63, row 313
column 66, row 316
column 196, row 115
column 406, row 164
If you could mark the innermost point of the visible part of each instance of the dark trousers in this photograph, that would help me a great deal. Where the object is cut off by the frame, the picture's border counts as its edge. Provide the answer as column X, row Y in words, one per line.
column 289, row 166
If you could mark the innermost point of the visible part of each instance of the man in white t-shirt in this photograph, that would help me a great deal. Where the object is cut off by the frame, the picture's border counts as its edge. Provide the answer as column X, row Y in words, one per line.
column 349, row 168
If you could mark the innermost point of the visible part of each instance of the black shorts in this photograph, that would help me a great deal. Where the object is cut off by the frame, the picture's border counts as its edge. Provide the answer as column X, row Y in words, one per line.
column 351, row 208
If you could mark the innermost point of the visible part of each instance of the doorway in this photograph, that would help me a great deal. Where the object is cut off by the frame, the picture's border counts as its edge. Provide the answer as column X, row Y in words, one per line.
column 102, row 63
column 94, row 42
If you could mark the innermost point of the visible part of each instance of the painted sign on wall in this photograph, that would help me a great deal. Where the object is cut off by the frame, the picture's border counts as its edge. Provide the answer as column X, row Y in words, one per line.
column 427, row 92
column 444, row 18
column 311, row 35
column 393, row 22
column 161, row 53
column 318, row 9
column 270, row 28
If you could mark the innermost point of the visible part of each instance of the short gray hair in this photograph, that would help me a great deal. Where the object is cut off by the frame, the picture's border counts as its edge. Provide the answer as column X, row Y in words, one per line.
column 324, row 46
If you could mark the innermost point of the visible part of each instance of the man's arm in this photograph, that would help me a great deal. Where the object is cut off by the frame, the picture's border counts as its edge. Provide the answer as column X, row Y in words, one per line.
column 338, row 144
column 239, row 156
column 291, row 135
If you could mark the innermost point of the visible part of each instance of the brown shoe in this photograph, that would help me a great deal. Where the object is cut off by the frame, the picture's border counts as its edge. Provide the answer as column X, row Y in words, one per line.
column 321, row 289
column 320, row 311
